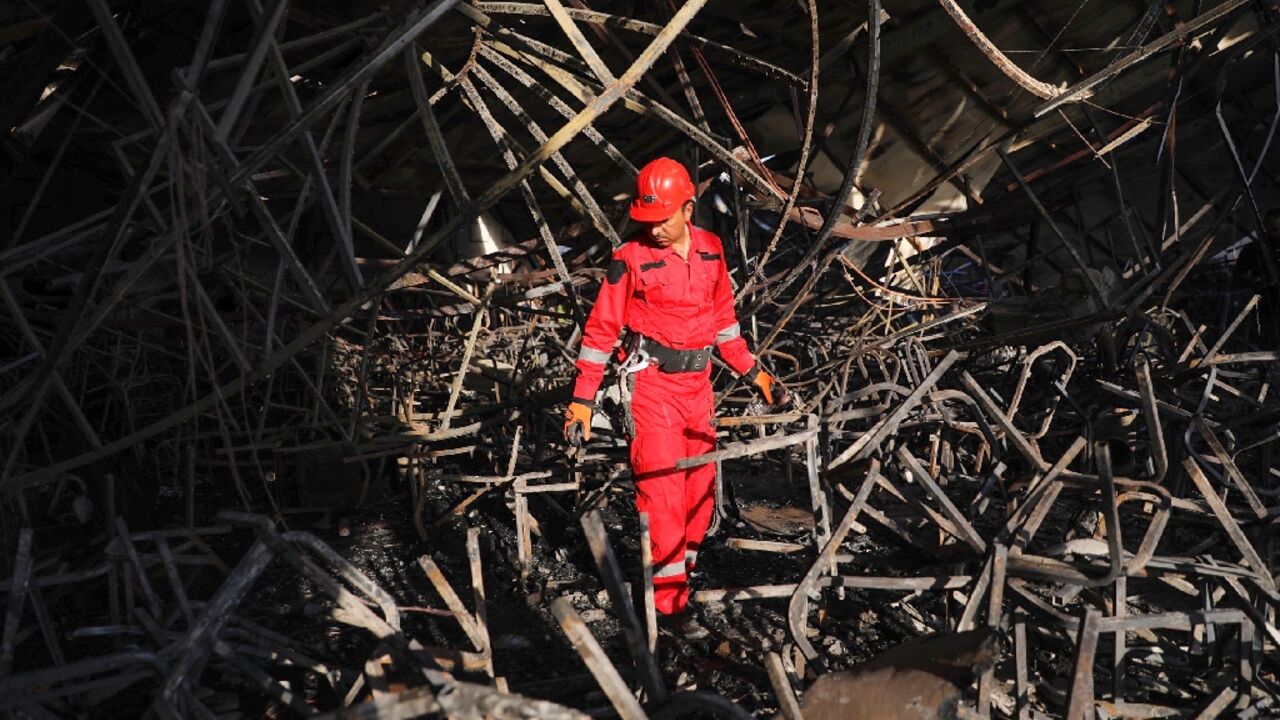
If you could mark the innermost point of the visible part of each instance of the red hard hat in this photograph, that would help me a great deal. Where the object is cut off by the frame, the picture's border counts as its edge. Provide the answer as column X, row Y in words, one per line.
column 662, row 188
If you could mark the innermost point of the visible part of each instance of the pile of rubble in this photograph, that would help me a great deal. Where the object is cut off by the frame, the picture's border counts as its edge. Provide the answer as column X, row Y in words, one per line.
column 1109, row 532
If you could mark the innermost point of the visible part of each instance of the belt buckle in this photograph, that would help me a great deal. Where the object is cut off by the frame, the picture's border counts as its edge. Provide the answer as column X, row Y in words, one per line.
column 636, row 361
column 643, row 359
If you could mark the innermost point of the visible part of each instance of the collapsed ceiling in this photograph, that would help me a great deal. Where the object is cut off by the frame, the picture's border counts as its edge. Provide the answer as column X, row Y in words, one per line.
column 270, row 259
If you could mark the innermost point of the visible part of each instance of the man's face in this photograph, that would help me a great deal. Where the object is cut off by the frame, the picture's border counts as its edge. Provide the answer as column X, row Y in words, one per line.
column 673, row 229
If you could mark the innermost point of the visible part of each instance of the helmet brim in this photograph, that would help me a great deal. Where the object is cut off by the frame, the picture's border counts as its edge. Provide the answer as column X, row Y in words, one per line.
column 651, row 214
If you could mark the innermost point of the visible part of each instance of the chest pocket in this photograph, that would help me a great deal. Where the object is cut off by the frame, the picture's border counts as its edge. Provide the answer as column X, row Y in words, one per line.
column 675, row 283
column 705, row 267
column 656, row 283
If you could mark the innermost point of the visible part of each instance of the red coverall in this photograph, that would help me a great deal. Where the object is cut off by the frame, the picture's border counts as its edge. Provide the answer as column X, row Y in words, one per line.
column 685, row 305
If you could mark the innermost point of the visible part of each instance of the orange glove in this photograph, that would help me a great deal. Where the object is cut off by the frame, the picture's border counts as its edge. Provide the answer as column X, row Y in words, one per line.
column 765, row 382
column 578, row 413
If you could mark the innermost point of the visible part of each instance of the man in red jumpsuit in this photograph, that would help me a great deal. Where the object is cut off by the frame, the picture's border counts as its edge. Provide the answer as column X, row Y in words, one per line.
column 670, row 286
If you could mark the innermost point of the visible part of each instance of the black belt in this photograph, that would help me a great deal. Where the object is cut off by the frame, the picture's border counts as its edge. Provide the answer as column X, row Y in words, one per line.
column 675, row 361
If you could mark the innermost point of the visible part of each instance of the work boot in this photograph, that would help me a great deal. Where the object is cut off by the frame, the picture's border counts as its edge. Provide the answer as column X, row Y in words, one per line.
column 683, row 625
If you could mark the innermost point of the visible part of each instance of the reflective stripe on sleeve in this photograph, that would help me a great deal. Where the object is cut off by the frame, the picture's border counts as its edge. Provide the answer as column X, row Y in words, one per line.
column 591, row 354
column 729, row 333
column 691, row 557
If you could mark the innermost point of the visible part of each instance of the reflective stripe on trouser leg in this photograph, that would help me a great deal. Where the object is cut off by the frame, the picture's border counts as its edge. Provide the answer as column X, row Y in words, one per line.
column 668, row 570
column 670, row 587
column 660, row 493
column 672, row 421
column 700, row 482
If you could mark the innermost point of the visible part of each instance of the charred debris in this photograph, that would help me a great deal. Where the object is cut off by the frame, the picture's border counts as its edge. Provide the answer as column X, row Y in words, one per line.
column 290, row 294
